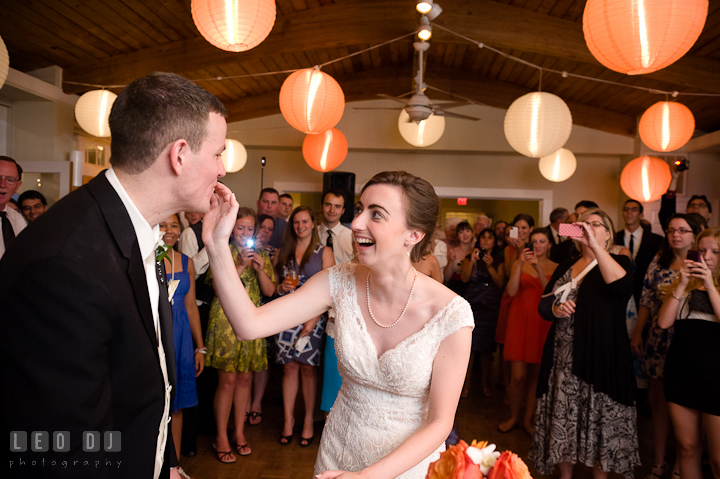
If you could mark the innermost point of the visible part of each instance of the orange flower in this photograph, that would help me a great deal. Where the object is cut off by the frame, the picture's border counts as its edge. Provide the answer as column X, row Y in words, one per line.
column 454, row 464
column 509, row 466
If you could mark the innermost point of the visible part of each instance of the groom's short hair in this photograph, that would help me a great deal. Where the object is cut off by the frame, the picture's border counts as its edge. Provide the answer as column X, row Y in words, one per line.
column 154, row 111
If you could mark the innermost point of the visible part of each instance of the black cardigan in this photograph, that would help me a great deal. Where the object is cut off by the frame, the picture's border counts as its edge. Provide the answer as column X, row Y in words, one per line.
column 601, row 349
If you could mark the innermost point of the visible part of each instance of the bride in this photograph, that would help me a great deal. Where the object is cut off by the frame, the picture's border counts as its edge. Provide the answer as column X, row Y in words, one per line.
column 402, row 339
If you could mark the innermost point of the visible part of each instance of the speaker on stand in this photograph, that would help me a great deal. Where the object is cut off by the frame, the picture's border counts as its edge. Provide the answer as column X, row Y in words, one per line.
column 344, row 182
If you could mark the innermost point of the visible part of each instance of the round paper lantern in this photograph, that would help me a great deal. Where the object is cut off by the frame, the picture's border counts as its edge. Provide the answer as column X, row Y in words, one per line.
column 645, row 179
column 666, row 126
column 325, row 151
column 234, row 26
column 92, row 111
column 558, row 166
column 4, row 62
column 538, row 124
column 234, row 157
column 642, row 36
column 421, row 134
column 311, row 101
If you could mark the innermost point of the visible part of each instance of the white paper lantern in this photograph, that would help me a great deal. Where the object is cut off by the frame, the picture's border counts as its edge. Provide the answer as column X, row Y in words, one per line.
column 558, row 166
column 92, row 111
column 538, row 124
column 421, row 134
column 234, row 157
column 4, row 62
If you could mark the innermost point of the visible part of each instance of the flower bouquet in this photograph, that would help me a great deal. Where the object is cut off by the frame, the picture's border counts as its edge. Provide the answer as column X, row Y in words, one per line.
column 477, row 461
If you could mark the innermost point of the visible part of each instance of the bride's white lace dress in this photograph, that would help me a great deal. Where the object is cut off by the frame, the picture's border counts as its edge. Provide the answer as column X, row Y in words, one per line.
column 382, row 400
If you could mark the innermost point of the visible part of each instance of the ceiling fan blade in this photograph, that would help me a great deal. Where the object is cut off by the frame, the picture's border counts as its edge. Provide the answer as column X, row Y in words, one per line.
column 375, row 108
column 450, row 114
column 388, row 97
column 446, row 106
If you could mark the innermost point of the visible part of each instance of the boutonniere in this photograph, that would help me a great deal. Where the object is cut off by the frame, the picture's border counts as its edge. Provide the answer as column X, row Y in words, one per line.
column 161, row 251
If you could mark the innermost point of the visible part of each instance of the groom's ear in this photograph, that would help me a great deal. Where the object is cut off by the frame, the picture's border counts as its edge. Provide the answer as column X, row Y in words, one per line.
column 177, row 155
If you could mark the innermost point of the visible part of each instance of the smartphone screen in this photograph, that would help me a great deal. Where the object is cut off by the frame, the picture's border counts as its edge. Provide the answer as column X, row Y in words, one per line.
column 694, row 255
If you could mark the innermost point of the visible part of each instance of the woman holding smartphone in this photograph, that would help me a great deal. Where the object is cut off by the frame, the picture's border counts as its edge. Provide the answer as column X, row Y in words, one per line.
column 236, row 360
column 660, row 276
column 692, row 367
column 526, row 330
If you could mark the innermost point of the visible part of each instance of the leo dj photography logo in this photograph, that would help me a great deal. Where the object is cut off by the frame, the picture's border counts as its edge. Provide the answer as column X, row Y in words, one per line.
column 59, row 441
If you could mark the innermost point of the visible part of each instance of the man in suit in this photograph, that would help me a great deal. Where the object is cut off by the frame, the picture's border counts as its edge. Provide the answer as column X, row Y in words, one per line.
column 557, row 250
column 87, row 327
column 11, row 222
column 640, row 240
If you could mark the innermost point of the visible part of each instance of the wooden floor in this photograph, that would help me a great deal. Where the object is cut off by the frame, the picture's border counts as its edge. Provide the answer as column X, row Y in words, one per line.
column 477, row 418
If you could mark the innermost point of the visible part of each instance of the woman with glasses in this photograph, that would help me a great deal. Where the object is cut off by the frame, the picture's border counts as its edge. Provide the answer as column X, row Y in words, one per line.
column 586, row 392
column 662, row 272
column 692, row 371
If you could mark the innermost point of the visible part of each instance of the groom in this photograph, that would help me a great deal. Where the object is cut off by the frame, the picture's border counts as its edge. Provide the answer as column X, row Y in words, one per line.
column 87, row 355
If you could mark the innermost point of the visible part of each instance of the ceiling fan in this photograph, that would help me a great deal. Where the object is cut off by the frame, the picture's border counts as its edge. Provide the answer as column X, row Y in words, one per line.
column 419, row 107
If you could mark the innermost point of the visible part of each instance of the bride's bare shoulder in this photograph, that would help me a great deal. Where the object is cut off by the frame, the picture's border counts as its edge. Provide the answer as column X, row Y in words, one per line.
column 436, row 294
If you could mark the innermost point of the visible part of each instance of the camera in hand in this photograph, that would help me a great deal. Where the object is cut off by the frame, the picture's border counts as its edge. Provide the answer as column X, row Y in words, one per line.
column 529, row 246
column 250, row 243
column 682, row 164
column 693, row 255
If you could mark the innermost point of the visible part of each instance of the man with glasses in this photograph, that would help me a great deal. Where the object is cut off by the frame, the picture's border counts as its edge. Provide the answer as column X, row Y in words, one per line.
column 11, row 222
column 640, row 240
column 697, row 204
column 32, row 205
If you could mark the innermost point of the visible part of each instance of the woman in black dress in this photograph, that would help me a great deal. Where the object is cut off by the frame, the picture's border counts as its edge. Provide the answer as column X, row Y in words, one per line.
column 692, row 367
column 484, row 275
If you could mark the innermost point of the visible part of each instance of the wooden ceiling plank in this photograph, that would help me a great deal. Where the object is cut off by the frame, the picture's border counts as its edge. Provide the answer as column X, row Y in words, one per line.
column 347, row 62
column 118, row 17
column 365, row 57
column 560, row 8
column 375, row 58
column 162, row 23
column 510, row 65
column 177, row 15
column 546, row 6
column 25, row 20
column 237, row 85
column 274, row 81
column 58, row 55
column 263, row 80
column 284, row 7
column 534, row 6
column 499, row 25
column 86, row 13
column 299, row 5
column 449, row 57
column 313, row 4
column 460, row 56
column 575, row 12
column 394, row 52
column 222, row 88
column 251, row 85
column 497, row 65
column 92, row 30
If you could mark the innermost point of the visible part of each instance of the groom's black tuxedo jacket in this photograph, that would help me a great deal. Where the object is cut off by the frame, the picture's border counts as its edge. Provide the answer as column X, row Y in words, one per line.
column 79, row 349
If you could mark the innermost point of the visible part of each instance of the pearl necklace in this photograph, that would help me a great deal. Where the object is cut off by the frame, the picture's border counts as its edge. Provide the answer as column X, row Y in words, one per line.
column 367, row 290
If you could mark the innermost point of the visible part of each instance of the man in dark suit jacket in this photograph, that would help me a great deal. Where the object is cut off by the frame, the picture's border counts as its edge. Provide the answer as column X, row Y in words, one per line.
column 87, row 327
column 557, row 248
column 645, row 243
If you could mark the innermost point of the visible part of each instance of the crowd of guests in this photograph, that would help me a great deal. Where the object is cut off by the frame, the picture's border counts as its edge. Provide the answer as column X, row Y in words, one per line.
column 581, row 318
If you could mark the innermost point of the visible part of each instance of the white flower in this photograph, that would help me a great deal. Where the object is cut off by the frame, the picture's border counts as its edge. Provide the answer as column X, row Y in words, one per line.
column 485, row 457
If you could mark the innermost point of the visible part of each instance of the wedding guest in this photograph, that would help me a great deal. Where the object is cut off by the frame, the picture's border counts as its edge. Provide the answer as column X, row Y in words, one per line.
column 456, row 255
column 300, row 257
column 429, row 266
column 484, row 274
column 526, row 330
column 236, row 360
column 586, row 408
column 189, row 361
column 11, row 221
column 285, row 207
column 331, row 232
column 692, row 367
column 500, row 227
column 32, row 204
column 662, row 272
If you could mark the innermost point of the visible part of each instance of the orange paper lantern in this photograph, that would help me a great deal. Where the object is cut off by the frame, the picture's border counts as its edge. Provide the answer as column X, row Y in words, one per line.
column 232, row 25
column 642, row 36
column 325, row 152
column 311, row 101
column 666, row 126
column 645, row 179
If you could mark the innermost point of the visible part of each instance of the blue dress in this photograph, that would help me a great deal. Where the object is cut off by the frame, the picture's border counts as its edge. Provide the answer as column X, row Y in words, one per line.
column 285, row 341
column 185, row 388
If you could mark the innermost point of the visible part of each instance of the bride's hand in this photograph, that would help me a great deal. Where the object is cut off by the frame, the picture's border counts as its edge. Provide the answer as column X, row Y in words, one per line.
column 219, row 221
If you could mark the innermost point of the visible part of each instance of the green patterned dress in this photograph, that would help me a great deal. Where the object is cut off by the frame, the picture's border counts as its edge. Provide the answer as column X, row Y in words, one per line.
column 224, row 351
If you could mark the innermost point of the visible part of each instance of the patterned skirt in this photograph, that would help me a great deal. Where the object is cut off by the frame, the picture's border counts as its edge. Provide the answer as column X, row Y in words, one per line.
column 575, row 424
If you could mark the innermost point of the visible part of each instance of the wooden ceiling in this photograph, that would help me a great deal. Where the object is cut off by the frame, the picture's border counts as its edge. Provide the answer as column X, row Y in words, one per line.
column 103, row 42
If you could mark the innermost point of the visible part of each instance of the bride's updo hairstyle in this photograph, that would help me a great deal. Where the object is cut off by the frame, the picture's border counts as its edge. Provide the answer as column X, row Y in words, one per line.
column 420, row 204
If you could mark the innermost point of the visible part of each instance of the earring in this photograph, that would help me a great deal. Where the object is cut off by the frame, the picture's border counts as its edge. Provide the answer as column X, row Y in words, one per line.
column 409, row 247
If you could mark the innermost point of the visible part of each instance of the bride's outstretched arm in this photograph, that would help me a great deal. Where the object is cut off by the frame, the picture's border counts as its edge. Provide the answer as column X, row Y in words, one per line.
column 249, row 322
column 448, row 375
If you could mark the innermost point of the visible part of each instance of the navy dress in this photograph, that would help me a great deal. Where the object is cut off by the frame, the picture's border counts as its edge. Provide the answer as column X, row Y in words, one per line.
column 186, row 388
column 285, row 342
